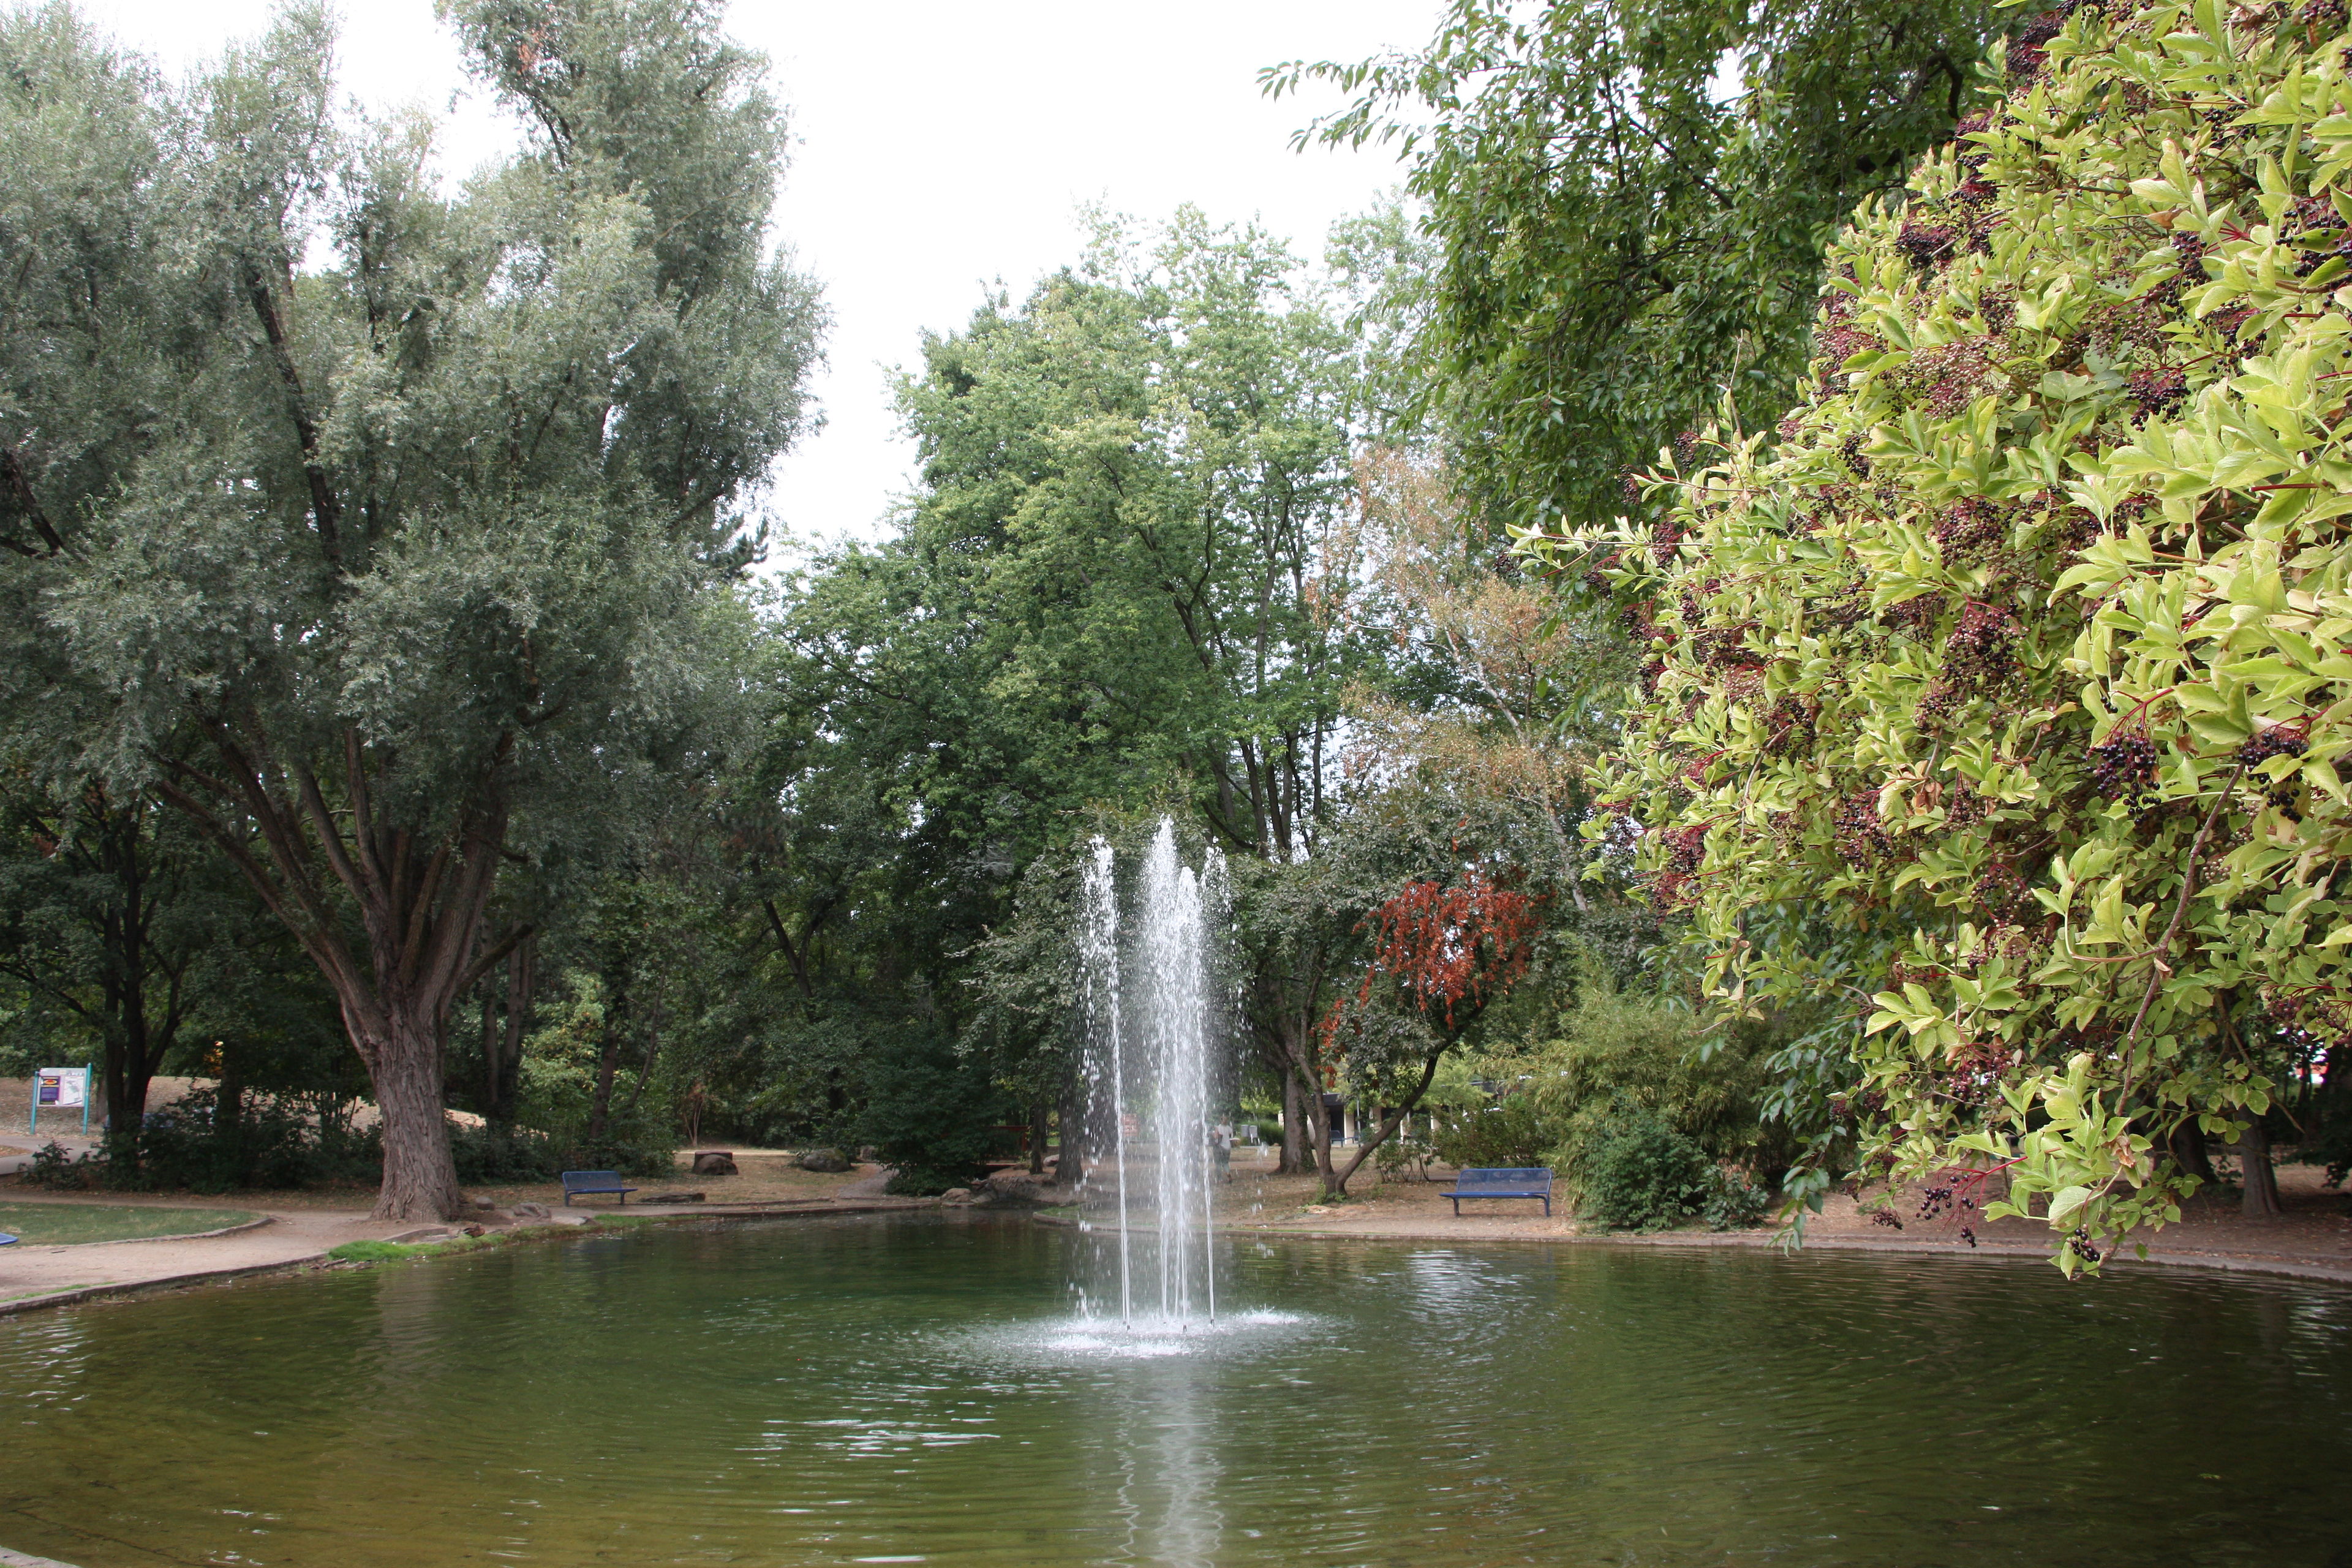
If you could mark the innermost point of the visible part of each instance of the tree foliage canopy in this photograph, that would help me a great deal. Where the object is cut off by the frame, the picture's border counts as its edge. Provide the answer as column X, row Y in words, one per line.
column 1630, row 200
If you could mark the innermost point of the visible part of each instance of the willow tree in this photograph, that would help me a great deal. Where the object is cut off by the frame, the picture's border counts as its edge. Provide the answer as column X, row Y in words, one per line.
column 401, row 510
column 2020, row 664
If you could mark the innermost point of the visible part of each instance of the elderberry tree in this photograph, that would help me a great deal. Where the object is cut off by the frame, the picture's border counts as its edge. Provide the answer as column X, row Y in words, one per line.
column 2014, row 672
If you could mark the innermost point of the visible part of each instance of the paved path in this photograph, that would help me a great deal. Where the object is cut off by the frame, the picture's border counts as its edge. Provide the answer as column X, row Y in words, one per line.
column 48, row 1276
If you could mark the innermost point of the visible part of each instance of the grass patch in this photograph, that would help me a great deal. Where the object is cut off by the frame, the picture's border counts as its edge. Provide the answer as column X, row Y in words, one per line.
column 396, row 1251
column 393, row 1251
column 67, row 1224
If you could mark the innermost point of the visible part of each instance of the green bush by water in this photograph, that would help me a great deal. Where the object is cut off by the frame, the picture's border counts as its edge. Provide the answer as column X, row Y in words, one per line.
column 1639, row 1173
column 930, row 1114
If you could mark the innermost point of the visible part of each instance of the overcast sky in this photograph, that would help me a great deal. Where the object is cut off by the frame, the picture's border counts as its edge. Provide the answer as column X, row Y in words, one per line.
column 938, row 147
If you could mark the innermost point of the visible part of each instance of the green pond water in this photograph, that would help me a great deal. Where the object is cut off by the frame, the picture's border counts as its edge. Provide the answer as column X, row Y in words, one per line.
column 918, row 1390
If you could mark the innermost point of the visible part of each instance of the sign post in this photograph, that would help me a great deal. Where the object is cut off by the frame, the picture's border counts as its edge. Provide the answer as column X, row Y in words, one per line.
column 63, row 1088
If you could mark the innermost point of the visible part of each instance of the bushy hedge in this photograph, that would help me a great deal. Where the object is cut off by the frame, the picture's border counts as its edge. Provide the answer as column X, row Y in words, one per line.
column 285, row 1142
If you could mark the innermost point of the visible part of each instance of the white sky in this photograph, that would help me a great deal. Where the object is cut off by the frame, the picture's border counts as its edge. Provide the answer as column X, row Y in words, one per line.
column 940, row 146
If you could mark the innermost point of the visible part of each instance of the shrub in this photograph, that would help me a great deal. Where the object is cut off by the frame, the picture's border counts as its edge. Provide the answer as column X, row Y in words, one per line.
column 1734, row 1202
column 1707, row 1088
column 1402, row 1153
column 56, row 1168
column 504, row 1156
column 1514, row 1130
column 645, row 1154
column 1642, row 1174
column 1999, row 700
column 930, row 1115
column 277, row 1141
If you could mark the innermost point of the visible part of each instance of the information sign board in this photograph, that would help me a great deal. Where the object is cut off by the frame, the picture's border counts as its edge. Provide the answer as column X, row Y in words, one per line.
column 60, row 1089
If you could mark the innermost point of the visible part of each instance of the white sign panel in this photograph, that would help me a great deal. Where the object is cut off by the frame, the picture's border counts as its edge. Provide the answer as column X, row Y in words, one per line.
column 63, row 1087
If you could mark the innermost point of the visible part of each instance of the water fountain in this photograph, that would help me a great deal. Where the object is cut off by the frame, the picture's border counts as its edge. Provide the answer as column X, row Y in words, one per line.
column 1154, row 1015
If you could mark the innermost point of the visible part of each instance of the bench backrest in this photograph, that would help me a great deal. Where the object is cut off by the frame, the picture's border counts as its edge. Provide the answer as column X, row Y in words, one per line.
column 574, row 1180
column 1503, row 1176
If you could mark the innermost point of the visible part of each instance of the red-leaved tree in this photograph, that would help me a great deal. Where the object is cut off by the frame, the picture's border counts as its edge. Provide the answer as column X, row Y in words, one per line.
column 1442, row 955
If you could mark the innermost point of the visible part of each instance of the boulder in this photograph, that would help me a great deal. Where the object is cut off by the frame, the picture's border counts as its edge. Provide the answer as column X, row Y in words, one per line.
column 956, row 1195
column 714, row 1162
column 531, row 1211
column 1015, row 1190
column 483, row 1203
column 829, row 1161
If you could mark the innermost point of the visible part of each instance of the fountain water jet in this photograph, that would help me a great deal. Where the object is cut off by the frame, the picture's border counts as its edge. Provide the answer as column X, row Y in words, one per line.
column 1154, row 1073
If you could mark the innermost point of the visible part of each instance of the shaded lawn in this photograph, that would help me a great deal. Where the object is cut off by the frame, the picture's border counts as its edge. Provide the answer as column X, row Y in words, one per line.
column 64, row 1224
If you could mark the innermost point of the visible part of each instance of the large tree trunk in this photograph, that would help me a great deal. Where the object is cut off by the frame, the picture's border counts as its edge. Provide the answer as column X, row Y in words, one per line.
column 2261, row 1194
column 522, row 978
column 421, row 896
column 600, row 1111
column 491, row 1051
column 1293, row 1139
column 2189, row 1154
column 1070, row 1163
column 1318, row 1129
column 403, row 1058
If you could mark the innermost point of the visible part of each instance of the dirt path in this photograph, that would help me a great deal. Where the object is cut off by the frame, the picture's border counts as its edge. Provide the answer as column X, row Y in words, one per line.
column 36, row 1275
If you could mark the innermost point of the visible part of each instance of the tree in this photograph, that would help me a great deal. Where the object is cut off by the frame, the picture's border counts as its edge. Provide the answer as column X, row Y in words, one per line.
column 1441, row 956
column 1630, row 200
column 422, row 541
column 108, row 924
column 2016, row 665
column 1112, row 592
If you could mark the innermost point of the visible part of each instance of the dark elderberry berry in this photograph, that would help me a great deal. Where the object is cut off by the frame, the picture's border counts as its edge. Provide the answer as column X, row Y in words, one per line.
column 1925, row 244
column 2278, row 741
column 2124, row 768
column 1860, row 838
column 2157, row 392
column 1981, row 649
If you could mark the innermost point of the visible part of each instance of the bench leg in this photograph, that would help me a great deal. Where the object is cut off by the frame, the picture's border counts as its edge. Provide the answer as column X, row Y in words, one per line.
column 1546, row 1208
column 567, row 1200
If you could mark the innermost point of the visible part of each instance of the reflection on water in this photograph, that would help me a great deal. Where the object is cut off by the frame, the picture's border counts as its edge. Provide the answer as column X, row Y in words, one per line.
column 823, row 1392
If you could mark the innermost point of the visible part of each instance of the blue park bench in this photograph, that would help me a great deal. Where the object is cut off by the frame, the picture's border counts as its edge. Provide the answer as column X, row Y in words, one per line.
column 1500, row 1182
column 582, row 1183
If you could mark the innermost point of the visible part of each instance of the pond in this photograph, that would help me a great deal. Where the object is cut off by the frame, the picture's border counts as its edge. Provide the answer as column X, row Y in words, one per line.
column 915, row 1389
